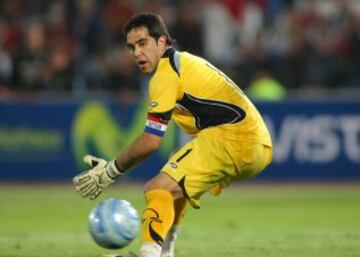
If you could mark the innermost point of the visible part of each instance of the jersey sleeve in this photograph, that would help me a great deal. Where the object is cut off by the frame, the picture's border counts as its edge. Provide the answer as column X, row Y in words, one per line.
column 163, row 91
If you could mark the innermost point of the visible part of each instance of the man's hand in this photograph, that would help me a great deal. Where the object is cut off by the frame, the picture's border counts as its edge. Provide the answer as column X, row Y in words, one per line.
column 91, row 183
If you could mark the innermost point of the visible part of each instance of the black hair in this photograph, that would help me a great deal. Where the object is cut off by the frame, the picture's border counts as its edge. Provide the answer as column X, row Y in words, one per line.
column 153, row 22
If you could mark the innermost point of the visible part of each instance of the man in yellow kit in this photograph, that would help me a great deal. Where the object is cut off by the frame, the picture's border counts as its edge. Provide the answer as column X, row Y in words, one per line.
column 230, row 140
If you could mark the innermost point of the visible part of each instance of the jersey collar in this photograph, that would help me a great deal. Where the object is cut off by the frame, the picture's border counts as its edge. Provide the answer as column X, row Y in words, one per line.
column 169, row 52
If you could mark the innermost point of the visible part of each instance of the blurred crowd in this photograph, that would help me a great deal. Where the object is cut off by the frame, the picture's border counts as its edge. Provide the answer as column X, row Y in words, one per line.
column 77, row 47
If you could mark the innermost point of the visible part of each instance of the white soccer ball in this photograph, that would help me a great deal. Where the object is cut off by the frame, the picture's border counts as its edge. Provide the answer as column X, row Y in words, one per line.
column 113, row 223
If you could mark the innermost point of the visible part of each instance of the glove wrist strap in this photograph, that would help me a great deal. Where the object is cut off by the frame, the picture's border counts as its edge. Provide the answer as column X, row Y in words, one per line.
column 112, row 170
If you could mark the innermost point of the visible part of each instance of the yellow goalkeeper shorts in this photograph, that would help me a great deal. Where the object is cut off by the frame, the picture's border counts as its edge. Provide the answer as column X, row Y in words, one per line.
column 210, row 163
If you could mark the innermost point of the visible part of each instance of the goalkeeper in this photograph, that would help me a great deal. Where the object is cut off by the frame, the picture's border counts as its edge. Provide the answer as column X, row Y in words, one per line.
column 230, row 139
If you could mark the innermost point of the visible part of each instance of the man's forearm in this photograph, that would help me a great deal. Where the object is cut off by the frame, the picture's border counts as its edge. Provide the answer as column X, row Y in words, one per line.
column 142, row 147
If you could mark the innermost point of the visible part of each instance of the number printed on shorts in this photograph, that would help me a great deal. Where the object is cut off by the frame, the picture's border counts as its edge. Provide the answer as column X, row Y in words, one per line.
column 184, row 155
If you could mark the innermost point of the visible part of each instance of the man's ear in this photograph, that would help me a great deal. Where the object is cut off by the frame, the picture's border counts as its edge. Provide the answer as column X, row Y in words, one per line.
column 162, row 40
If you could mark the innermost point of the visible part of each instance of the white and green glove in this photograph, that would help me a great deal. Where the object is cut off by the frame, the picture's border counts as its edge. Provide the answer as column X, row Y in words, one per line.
column 91, row 183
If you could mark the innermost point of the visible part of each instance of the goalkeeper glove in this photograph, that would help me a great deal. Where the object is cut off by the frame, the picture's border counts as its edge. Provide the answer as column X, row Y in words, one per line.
column 91, row 183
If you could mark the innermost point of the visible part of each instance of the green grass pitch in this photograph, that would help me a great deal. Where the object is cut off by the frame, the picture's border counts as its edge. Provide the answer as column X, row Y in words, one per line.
column 250, row 220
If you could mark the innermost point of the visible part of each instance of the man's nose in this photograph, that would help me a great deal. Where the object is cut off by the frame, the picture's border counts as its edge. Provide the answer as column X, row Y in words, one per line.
column 137, row 51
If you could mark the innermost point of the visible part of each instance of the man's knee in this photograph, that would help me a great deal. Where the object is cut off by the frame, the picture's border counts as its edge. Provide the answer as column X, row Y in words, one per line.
column 149, row 186
column 165, row 182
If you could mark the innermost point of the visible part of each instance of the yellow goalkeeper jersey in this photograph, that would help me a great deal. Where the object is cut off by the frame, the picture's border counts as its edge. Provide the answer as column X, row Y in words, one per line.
column 196, row 95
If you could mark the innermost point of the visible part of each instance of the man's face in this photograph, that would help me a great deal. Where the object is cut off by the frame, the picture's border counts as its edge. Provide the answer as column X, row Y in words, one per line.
column 145, row 50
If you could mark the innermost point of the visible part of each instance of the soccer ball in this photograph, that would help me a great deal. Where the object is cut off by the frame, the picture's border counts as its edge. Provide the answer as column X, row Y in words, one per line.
column 113, row 223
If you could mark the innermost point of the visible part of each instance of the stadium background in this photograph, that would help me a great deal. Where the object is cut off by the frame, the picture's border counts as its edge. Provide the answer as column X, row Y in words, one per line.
column 68, row 87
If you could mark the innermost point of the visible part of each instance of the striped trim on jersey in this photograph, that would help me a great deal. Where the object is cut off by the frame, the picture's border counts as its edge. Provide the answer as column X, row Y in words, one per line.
column 155, row 125
column 174, row 59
